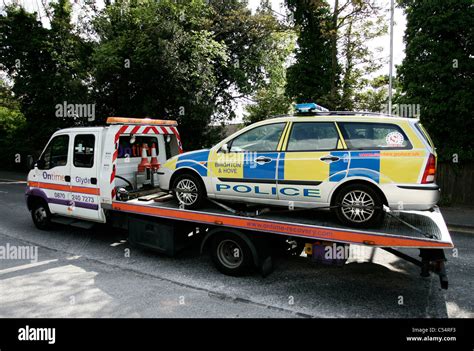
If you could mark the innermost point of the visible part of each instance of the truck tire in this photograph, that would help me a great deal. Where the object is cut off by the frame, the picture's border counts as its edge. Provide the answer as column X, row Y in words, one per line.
column 194, row 192
column 41, row 215
column 359, row 195
column 231, row 254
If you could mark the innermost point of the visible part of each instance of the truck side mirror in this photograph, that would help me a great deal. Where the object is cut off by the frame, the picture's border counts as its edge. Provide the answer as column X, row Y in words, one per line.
column 40, row 164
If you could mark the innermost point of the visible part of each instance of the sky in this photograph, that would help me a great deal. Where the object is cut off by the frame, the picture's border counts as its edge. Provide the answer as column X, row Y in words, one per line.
column 278, row 6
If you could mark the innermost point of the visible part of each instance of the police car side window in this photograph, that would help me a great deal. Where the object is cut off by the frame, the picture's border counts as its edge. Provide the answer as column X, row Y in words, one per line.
column 84, row 145
column 56, row 152
column 309, row 136
column 374, row 136
column 262, row 138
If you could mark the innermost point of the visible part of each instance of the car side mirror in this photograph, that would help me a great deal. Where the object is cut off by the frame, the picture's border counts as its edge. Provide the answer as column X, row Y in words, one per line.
column 225, row 148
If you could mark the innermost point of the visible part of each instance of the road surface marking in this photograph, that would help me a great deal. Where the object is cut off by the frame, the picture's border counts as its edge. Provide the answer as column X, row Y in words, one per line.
column 26, row 266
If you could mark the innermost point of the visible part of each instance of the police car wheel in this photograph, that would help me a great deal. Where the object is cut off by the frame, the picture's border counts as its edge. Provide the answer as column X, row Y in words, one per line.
column 189, row 191
column 41, row 215
column 359, row 206
column 230, row 254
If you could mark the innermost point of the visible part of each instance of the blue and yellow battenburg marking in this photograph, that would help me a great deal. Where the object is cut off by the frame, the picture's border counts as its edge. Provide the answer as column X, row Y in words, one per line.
column 197, row 160
column 378, row 166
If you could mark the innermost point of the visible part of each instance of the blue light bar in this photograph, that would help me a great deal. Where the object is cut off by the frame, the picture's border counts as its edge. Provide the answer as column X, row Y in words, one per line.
column 309, row 107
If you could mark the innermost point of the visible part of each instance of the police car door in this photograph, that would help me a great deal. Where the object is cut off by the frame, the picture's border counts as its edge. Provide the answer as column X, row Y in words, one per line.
column 84, row 166
column 249, row 168
column 313, row 162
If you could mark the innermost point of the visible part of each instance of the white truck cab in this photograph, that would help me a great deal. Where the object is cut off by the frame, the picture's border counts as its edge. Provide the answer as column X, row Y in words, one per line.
column 80, row 169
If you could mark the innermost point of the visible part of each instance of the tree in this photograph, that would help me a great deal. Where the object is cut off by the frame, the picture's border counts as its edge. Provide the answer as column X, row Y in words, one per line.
column 183, row 60
column 332, row 56
column 437, row 71
column 46, row 68
column 362, row 23
column 252, row 42
column 270, row 99
column 156, row 59
column 309, row 78
column 12, row 127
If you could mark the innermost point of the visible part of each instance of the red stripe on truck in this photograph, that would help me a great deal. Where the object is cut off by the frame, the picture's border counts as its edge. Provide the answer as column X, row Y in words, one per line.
column 62, row 187
column 269, row 226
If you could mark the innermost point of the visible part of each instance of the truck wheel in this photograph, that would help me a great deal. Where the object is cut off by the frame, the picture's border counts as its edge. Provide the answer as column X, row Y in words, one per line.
column 41, row 215
column 230, row 254
column 189, row 191
column 359, row 206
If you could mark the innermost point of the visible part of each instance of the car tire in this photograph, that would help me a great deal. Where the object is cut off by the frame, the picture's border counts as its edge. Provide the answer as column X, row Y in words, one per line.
column 359, row 195
column 195, row 191
column 41, row 215
column 230, row 254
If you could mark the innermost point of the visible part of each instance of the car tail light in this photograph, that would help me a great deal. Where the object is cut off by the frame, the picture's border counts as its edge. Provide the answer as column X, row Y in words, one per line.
column 430, row 170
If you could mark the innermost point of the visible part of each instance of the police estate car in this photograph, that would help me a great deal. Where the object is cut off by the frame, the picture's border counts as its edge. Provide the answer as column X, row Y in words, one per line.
column 351, row 162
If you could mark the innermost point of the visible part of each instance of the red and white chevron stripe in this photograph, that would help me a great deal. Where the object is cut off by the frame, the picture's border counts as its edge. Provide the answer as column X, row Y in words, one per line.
column 133, row 129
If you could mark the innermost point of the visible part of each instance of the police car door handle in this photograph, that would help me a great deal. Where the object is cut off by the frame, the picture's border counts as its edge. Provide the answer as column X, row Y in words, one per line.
column 263, row 159
column 330, row 158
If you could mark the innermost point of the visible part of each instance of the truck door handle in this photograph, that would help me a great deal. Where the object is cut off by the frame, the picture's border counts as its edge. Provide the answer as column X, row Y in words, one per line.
column 330, row 158
column 94, row 181
column 262, row 160
column 67, row 178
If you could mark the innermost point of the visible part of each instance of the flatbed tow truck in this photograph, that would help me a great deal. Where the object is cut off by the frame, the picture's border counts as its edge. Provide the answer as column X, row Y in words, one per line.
column 162, row 225
column 239, row 239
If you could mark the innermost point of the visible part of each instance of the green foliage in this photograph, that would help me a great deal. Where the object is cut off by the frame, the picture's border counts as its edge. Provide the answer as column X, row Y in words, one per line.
column 333, row 59
column 157, row 60
column 142, row 58
column 358, row 62
column 47, row 67
column 437, row 72
column 373, row 96
column 251, row 43
column 271, row 100
column 309, row 78
column 12, row 125
column 187, row 61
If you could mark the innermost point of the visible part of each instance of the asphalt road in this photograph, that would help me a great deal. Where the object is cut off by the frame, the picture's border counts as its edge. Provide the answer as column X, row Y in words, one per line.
column 87, row 273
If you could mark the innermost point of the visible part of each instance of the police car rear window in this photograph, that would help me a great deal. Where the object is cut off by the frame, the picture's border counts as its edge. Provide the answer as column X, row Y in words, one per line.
column 373, row 136
column 309, row 136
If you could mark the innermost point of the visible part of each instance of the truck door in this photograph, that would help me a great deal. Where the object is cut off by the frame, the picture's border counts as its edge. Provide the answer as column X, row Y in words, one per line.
column 51, row 174
column 84, row 167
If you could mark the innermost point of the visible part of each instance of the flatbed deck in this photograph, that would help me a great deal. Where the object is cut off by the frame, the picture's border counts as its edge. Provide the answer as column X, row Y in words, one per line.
column 409, row 229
